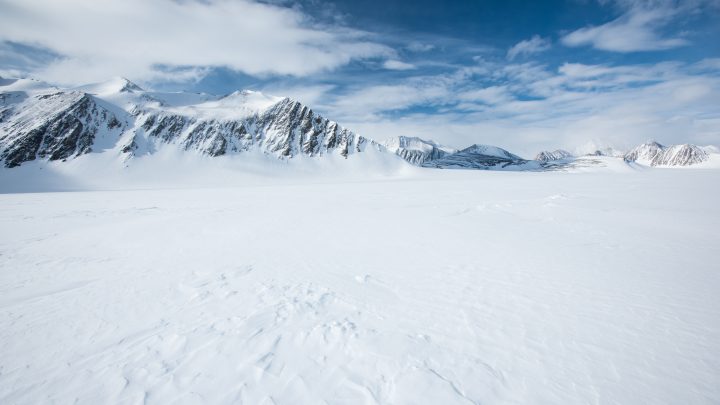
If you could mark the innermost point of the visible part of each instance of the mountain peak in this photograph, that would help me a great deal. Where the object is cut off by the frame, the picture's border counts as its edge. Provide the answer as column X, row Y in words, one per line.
column 127, row 85
column 117, row 84
column 654, row 154
column 557, row 154
column 417, row 150
column 114, row 85
column 653, row 143
column 489, row 150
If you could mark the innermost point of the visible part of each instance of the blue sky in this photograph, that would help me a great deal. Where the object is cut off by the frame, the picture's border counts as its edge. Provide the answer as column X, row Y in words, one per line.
column 525, row 75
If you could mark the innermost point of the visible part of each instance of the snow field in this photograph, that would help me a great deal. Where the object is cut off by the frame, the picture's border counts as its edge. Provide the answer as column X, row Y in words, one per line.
column 432, row 287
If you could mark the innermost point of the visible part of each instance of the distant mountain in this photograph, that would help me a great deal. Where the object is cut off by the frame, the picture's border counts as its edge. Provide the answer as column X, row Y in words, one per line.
column 38, row 121
column 645, row 153
column 654, row 154
column 42, row 122
column 417, row 151
column 549, row 156
column 478, row 157
column 682, row 155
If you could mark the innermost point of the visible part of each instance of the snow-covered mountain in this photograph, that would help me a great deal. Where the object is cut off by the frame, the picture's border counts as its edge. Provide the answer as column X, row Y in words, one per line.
column 478, row 157
column 654, row 154
column 118, row 117
column 416, row 150
column 557, row 154
column 53, row 125
column 38, row 121
column 645, row 153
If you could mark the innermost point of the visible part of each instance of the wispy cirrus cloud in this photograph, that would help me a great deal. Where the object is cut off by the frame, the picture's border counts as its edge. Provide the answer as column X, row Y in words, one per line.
column 393, row 64
column 529, row 106
column 420, row 47
column 641, row 26
column 637, row 30
column 536, row 44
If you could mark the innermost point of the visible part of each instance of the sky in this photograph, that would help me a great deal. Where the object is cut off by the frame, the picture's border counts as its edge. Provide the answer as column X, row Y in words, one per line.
column 523, row 75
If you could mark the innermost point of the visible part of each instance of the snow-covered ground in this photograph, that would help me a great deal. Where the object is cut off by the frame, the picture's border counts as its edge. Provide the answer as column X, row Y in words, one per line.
column 421, row 286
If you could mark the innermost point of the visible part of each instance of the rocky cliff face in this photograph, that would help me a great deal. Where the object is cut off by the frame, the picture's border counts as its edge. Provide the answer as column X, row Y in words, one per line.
column 655, row 154
column 645, row 153
column 549, row 156
column 478, row 157
column 52, row 124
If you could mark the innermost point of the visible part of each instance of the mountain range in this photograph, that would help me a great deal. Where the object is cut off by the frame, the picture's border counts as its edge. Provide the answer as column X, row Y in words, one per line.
column 655, row 154
column 43, row 122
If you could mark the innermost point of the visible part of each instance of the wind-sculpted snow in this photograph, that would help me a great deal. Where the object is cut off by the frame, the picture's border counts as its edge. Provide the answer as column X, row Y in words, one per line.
column 434, row 287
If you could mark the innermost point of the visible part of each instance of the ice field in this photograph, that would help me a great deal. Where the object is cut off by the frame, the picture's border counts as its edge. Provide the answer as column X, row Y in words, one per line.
column 431, row 286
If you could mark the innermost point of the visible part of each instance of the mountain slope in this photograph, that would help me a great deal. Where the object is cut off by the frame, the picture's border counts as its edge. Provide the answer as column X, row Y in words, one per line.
column 478, row 157
column 416, row 150
column 548, row 156
column 654, row 154
column 42, row 122
column 53, row 126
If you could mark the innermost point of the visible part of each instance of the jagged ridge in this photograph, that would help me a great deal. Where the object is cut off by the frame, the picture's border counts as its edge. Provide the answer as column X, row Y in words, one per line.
column 654, row 154
column 54, row 124
column 557, row 154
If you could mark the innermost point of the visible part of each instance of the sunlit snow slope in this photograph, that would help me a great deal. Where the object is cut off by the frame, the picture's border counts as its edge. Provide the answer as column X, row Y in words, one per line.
column 39, row 122
column 445, row 287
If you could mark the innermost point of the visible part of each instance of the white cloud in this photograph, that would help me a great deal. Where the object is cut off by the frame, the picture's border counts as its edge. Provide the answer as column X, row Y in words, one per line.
column 310, row 95
column 709, row 64
column 536, row 44
column 103, row 38
column 392, row 64
column 420, row 47
column 530, row 107
column 366, row 102
column 487, row 95
column 635, row 30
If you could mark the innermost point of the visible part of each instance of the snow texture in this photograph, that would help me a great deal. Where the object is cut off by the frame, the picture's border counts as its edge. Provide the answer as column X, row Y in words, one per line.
column 301, row 284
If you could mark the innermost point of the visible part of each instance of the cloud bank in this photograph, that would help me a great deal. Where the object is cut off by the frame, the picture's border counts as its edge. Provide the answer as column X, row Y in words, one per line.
column 96, row 39
column 529, row 106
